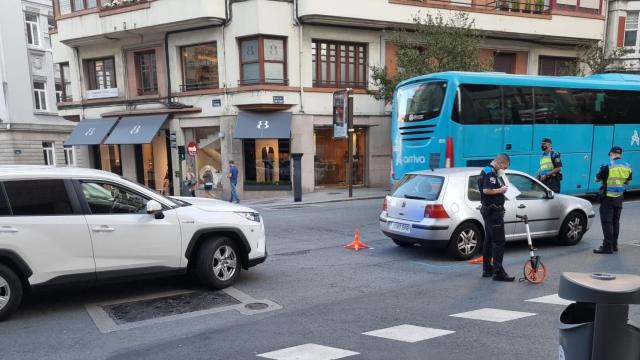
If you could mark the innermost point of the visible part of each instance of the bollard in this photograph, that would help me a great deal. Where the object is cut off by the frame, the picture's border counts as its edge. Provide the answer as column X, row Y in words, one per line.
column 597, row 326
column 297, row 177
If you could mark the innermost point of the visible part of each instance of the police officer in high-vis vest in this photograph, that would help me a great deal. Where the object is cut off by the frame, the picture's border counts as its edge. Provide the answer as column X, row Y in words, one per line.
column 614, row 176
column 550, row 169
column 492, row 191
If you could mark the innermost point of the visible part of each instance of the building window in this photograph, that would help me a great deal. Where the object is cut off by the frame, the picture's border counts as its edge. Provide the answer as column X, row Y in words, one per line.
column 555, row 66
column 337, row 64
column 49, row 152
column 267, row 162
column 77, row 5
column 101, row 73
column 51, row 22
column 33, row 30
column 504, row 62
column 40, row 95
column 69, row 155
column 146, row 72
column 263, row 60
column 63, row 83
column 199, row 67
column 631, row 29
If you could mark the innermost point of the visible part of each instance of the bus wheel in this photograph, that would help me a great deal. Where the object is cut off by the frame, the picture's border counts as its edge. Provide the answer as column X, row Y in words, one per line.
column 465, row 241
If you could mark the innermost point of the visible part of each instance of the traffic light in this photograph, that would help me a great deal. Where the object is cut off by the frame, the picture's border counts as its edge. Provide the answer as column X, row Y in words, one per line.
column 181, row 154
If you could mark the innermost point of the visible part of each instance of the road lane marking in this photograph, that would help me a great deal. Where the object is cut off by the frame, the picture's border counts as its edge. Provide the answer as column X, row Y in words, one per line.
column 308, row 352
column 494, row 315
column 553, row 299
column 409, row 333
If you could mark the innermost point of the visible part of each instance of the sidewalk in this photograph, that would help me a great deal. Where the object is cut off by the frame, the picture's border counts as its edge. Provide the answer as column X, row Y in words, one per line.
column 319, row 197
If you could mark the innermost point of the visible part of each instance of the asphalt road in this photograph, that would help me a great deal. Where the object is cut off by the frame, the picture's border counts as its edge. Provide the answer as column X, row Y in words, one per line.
column 330, row 296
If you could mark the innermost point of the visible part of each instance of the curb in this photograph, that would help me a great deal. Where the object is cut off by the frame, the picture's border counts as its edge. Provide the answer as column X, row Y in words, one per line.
column 302, row 203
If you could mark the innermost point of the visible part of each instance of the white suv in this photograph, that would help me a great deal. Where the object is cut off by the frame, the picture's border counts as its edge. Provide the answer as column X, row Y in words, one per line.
column 74, row 225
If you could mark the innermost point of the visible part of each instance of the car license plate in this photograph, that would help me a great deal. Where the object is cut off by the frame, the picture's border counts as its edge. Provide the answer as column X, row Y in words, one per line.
column 404, row 228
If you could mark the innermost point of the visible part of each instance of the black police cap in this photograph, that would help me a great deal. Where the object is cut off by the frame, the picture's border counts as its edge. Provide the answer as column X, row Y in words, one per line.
column 616, row 150
column 547, row 140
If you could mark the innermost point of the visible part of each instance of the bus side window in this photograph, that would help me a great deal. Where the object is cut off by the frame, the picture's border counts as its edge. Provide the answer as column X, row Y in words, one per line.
column 481, row 104
column 518, row 108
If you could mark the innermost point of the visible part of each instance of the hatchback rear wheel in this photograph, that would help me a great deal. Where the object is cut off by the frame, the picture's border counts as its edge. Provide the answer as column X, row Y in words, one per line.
column 465, row 241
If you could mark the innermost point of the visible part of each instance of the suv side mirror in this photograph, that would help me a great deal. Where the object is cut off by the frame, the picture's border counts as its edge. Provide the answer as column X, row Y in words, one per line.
column 155, row 208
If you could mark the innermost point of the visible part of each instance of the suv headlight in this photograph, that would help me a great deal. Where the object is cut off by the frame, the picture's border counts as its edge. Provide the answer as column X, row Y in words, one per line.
column 253, row 216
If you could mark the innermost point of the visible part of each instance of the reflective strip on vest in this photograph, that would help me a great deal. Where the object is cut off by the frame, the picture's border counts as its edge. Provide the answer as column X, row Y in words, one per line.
column 619, row 172
column 546, row 165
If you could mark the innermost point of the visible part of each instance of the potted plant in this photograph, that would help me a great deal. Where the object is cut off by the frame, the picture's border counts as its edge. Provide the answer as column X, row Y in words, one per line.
column 539, row 6
column 515, row 5
column 503, row 5
column 528, row 6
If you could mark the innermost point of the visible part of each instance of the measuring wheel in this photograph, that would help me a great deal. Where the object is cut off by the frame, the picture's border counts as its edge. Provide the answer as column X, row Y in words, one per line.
column 534, row 271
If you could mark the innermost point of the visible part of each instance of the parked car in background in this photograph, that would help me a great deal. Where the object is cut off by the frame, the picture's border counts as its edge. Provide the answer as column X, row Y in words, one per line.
column 69, row 224
column 441, row 208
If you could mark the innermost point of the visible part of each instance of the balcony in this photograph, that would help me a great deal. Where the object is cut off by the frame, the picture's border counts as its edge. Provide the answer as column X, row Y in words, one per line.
column 104, row 20
column 565, row 21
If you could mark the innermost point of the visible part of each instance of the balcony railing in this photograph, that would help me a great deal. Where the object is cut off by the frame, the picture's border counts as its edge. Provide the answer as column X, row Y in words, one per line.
column 199, row 86
column 341, row 84
column 514, row 6
column 117, row 4
column 152, row 90
column 264, row 81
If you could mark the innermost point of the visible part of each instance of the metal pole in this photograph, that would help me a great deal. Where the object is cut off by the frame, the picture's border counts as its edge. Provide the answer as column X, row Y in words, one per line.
column 350, row 144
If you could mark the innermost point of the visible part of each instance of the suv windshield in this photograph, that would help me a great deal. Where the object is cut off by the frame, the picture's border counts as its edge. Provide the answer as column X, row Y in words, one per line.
column 421, row 187
column 422, row 101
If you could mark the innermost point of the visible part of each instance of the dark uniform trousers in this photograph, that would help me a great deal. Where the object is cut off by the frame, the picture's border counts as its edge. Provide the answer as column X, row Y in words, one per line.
column 610, row 210
column 493, row 247
column 553, row 183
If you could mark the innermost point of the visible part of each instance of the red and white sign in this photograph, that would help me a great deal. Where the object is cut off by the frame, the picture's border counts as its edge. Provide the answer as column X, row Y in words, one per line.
column 192, row 149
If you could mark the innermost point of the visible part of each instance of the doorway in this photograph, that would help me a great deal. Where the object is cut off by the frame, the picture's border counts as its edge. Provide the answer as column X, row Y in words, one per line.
column 330, row 160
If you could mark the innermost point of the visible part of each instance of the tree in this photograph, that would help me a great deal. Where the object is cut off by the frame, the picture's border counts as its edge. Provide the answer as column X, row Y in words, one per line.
column 433, row 44
column 598, row 60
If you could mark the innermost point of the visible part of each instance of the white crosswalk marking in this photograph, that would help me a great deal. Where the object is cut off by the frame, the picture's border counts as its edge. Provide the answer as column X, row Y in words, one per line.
column 553, row 299
column 308, row 352
column 409, row 333
column 494, row 315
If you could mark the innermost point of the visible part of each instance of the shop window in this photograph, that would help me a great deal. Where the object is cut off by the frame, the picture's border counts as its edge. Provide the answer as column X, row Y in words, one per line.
column 40, row 95
column 49, row 153
column 199, row 67
column 108, row 158
column 146, row 72
column 33, row 29
column 101, row 73
column 153, row 167
column 206, row 164
column 263, row 60
column 267, row 162
column 337, row 64
column 504, row 62
column 331, row 158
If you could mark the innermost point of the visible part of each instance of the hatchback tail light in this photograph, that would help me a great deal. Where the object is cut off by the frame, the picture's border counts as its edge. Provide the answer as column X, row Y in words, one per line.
column 435, row 212
column 384, row 204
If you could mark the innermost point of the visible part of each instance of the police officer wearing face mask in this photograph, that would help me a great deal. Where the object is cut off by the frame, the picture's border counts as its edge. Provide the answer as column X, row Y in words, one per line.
column 614, row 176
column 550, row 169
column 492, row 191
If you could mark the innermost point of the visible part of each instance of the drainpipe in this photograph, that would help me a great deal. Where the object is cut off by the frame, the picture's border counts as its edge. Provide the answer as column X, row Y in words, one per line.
column 228, row 10
column 76, row 55
column 296, row 20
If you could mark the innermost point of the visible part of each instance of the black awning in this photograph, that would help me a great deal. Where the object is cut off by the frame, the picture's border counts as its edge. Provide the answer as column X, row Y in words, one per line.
column 136, row 129
column 252, row 125
column 91, row 131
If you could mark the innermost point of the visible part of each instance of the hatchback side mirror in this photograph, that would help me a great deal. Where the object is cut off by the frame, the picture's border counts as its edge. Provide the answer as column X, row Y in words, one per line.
column 155, row 208
column 550, row 194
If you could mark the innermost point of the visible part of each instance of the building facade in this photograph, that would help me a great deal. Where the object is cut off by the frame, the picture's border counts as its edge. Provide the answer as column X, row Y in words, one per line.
column 252, row 81
column 30, row 130
column 622, row 31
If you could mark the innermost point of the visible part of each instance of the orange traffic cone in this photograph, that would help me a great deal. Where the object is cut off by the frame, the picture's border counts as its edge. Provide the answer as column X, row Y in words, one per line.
column 478, row 260
column 356, row 244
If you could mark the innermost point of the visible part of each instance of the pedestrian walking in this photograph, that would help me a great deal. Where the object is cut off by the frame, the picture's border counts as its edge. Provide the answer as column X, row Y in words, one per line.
column 550, row 169
column 207, row 178
column 233, row 179
column 492, row 189
column 190, row 182
column 614, row 175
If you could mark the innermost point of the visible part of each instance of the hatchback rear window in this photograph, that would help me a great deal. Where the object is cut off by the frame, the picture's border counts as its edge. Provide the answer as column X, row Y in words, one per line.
column 421, row 187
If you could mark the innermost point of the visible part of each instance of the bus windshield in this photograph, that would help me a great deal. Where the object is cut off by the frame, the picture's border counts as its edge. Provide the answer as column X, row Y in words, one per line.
column 422, row 101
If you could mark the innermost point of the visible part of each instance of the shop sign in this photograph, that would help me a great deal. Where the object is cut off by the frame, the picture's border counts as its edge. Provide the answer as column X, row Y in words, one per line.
column 216, row 102
column 278, row 99
column 101, row 93
column 340, row 111
column 192, row 149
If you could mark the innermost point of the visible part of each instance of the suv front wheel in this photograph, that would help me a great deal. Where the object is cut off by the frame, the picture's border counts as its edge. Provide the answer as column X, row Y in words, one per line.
column 218, row 263
column 10, row 291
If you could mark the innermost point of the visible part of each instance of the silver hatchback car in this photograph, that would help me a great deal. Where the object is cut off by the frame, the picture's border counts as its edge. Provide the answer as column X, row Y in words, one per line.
column 441, row 208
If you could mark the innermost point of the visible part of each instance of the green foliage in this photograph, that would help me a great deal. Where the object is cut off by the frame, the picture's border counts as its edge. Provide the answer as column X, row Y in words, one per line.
column 598, row 61
column 433, row 44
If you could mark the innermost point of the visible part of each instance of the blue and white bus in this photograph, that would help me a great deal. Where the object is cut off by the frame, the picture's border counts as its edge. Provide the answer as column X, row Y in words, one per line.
column 464, row 119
